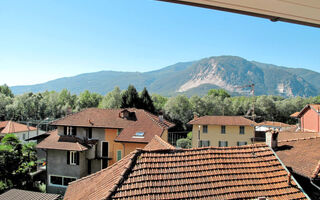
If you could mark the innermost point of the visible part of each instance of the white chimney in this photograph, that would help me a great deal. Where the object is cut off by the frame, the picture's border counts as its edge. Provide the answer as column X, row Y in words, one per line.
column 272, row 138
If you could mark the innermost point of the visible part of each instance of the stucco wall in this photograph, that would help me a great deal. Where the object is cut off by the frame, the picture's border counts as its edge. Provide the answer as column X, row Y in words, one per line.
column 310, row 121
column 57, row 165
column 214, row 135
column 164, row 135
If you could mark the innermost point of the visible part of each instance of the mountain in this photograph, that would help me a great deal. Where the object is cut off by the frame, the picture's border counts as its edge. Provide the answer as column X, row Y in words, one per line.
column 196, row 77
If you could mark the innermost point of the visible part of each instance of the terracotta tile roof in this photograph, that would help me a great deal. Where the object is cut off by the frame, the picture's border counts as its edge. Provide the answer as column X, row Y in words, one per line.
column 14, row 127
column 301, row 154
column 68, row 143
column 274, row 124
column 15, row 194
column 158, row 143
column 315, row 107
column 287, row 135
column 222, row 120
column 245, row 172
column 295, row 115
column 145, row 122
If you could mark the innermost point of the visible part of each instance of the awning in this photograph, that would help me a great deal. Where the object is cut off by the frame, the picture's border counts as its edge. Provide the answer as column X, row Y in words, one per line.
column 305, row 12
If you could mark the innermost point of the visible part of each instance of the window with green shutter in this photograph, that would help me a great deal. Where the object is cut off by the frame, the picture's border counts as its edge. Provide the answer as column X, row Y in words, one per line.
column 119, row 155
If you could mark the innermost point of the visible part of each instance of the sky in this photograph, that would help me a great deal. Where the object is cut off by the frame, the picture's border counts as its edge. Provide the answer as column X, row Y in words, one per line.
column 41, row 40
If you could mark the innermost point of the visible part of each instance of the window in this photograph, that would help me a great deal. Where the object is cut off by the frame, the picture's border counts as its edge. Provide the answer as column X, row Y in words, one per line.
column 223, row 143
column 204, row 143
column 138, row 135
column 241, row 129
column 89, row 133
column 119, row 155
column 56, row 180
column 241, row 143
column 61, row 180
column 67, row 180
column 205, row 129
column 70, row 130
column 223, row 129
column 105, row 149
column 73, row 158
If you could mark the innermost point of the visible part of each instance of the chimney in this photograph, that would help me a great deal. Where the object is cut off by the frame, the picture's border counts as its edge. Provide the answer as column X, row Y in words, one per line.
column 160, row 116
column 272, row 138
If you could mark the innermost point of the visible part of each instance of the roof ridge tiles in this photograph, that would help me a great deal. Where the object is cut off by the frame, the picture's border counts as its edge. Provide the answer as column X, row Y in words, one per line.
column 127, row 169
column 299, row 139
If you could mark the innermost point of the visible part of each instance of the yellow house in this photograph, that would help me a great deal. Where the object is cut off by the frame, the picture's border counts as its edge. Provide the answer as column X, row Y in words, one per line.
column 221, row 131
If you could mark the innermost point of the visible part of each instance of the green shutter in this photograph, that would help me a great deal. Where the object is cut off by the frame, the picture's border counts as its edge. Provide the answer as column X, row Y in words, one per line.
column 119, row 155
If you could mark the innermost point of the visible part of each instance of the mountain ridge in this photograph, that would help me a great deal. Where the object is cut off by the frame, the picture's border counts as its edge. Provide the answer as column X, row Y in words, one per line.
column 194, row 77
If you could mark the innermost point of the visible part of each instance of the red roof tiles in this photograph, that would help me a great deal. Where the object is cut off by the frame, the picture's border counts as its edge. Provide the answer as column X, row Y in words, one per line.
column 245, row 172
column 158, row 143
column 67, row 143
column 274, row 124
column 14, row 127
column 222, row 120
column 110, row 118
column 15, row 194
column 300, row 153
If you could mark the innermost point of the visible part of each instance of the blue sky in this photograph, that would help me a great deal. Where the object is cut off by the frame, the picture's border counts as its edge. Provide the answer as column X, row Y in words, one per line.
column 43, row 40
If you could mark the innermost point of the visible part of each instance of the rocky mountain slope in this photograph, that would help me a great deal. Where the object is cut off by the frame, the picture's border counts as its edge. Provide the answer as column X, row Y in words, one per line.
column 197, row 77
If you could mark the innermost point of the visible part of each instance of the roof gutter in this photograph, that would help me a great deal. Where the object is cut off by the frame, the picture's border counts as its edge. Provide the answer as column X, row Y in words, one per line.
column 311, row 181
column 301, row 189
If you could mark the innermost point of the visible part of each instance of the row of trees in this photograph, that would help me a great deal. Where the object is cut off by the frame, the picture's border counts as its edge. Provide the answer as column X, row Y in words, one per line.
column 180, row 109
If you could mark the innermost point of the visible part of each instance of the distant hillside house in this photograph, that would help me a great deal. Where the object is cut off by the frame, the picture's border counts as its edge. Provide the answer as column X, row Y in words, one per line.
column 23, row 132
column 221, row 131
column 309, row 118
column 246, row 172
column 93, row 139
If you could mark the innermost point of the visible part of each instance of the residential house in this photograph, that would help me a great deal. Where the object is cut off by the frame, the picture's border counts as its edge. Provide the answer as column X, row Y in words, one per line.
column 222, row 131
column 309, row 118
column 23, row 132
column 93, row 139
column 246, row 172
column 299, row 152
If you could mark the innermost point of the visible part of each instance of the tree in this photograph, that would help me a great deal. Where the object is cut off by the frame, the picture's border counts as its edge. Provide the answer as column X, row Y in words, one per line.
column 159, row 101
column 219, row 93
column 146, row 101
column 16, row 163
column 4, row 89
column 179, row 109
column 184, row 143
column 88, row 100
column 4, row 102
column 130, row 98
column 112, row 99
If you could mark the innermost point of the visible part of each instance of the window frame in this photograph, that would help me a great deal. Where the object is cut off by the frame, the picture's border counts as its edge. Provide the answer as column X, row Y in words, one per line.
column 241, row 130
column 202, row 143
column 204, row 128
column 62, row 180
column 118, row 155
column 243, row 143
column 73, row 158
column 70, row 130
column 223, row 129
column 220, row 143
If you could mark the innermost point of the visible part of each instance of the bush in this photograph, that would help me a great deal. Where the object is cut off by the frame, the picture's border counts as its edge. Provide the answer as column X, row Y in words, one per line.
column 184, row 143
